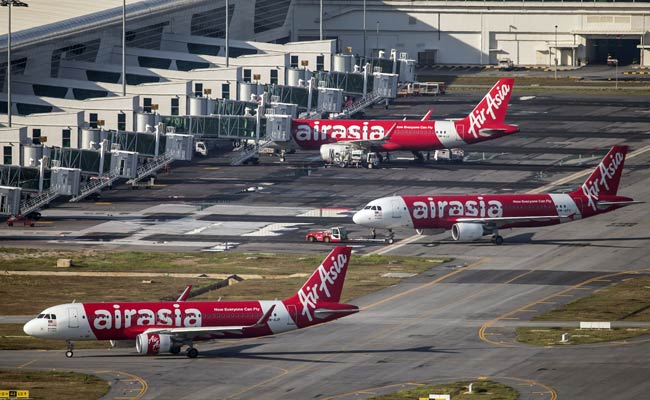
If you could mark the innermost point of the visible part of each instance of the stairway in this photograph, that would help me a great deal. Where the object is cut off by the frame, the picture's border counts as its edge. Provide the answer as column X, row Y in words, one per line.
column 95, row 185
column 37, row 202
column 245, row 155
column 358, row 105
column 152, row 166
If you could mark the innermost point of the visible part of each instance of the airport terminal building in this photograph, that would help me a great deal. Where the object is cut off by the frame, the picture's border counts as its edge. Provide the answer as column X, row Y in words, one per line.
column 482, row 32
column 69, row 91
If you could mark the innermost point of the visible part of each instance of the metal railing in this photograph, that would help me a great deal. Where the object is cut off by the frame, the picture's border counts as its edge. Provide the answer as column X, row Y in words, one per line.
column 152, row 166
column 95, row 185
column 359, row 105
column 245, row 155
column 37, row 202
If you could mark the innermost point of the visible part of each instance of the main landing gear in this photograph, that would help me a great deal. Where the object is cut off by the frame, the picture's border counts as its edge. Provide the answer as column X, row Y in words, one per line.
column 192, row 352
column 496, row 238
column 69, row 353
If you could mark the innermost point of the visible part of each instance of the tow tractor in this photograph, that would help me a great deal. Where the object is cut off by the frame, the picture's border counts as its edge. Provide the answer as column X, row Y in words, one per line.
column 339, row 234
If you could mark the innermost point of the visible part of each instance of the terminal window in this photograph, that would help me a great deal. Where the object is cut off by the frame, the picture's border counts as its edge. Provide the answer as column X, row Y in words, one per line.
column 36, row 136
column 294, row 61
column 65, row 134
column 274, row 77
column 247, row 75
column 225, row 90
column 92, row 120
column 146, row 104
column 121, row 121
column 320, row 63
column 175, row 110
column 7, row 155
column 198, row 89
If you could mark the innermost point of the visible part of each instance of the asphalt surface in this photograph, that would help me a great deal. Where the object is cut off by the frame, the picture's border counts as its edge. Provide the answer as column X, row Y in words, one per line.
column 450, row 323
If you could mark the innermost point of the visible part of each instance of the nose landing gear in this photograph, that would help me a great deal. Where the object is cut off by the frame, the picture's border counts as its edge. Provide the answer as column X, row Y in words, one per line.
column 69, row 353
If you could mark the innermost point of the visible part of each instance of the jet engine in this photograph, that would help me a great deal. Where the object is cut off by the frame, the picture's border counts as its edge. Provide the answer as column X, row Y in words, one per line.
column 151, row 344
column 467, row 232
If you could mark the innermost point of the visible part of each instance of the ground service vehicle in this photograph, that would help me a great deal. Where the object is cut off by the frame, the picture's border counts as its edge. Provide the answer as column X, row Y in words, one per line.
column 339, row 234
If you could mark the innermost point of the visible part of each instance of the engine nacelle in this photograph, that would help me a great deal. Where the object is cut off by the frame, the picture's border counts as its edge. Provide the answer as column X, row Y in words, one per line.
column 151, row 344
column 428, row 232
column 333, row 152
column 467, row 232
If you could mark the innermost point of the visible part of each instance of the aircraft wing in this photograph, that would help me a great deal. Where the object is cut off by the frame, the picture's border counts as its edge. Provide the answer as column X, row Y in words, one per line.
column 365, row 143
column 197, row 330
column 500, row 221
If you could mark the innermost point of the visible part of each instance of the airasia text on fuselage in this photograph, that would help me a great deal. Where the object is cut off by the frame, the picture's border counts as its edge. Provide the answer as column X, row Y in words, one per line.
column 124, row 318
column 432, row 208
column 324, row 132
column 592, row 189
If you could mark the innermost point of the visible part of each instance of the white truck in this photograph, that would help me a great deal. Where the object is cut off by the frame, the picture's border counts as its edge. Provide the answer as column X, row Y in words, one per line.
column 346, row 155
column 201, row 148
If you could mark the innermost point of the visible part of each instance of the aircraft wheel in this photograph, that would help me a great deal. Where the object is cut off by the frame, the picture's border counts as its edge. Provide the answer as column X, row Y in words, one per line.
column 498, row 240
column 175, row 350
column 192, row 352
column 69, row 353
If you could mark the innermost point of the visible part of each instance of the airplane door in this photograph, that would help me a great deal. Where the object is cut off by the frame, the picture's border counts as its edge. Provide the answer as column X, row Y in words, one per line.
column 293, row 313
column 73, row 318
column 395, row 209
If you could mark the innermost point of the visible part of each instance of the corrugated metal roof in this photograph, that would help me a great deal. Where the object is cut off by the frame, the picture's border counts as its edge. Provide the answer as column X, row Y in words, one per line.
column 49, row 19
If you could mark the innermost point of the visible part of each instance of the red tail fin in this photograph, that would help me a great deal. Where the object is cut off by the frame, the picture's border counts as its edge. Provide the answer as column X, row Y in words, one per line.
column 490, row 113
column 326, row 283
column 606, row 177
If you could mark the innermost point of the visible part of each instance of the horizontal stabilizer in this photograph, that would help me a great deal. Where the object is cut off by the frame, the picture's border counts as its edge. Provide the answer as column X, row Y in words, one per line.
column 324, row 312
column 605, row 204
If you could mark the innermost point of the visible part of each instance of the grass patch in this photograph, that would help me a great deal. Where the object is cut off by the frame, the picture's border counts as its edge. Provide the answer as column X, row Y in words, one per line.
column 487, row 390
column 55, row 384
column 553, row 336
column 543, row 84
column 626, row 301
column 364, row 276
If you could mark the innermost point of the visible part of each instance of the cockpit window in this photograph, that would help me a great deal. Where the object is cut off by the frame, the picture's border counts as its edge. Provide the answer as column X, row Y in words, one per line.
column 367, row 207
column 40, row 315
column 52, row 316
column 379, row 208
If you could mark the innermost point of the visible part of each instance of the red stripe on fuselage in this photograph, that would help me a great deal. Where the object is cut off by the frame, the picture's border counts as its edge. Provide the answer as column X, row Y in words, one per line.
column 407, row 135
column 124, row 321
column 441, row 212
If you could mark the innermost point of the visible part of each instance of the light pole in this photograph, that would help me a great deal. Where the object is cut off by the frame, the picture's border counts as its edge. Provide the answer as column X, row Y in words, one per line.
column 377, row 39
column 321, row 20
column 555, row 52
column 9, row 67
column 364, row 29
column 227, row 43
column 124, row 48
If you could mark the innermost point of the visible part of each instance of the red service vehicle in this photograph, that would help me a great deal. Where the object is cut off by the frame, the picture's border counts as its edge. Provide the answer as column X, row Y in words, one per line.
column 336, row 234
column 339, row 234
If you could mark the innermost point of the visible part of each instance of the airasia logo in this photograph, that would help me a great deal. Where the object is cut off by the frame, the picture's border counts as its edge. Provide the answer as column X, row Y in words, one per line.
column 470, row 208
column 119, row 318
column 321, row 132
column 592, row 187
column 328, row 277
column 154, row 344
column 492, row 102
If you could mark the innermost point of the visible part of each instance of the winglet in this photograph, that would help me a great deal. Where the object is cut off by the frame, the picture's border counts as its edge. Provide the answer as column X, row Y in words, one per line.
column 185, row 294
column 427, row 115
column 265, row 318
column 390, row 131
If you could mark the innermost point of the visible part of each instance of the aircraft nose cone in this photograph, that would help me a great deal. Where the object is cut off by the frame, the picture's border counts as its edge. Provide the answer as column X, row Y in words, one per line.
column 30, row 328
column 357, row 217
